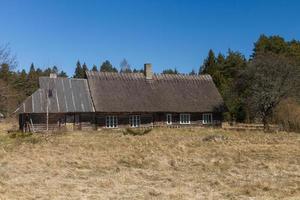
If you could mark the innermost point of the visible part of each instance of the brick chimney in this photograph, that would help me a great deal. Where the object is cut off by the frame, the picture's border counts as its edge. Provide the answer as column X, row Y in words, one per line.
column 148, row 71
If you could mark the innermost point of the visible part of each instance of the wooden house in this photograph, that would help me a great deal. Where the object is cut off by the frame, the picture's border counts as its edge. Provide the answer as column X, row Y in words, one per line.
column 59, row 103
column 120, row 100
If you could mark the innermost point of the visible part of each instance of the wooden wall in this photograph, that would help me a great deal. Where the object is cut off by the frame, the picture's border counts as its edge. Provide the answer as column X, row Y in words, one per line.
column 123, row 119
column 155, row 119
column 91, row 121
column 196, row 119
column 57, row 121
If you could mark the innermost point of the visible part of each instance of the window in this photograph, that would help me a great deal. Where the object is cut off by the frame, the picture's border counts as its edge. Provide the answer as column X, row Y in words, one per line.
column 134, row 120
column 111, row 121
column 185, row 118
column 169, row 118
column 207, row 118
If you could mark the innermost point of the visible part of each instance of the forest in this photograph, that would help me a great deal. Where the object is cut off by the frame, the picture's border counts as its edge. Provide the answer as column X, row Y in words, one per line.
column 263, row 88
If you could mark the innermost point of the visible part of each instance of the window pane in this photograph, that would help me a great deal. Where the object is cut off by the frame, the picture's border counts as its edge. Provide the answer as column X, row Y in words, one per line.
column 169, row 118
column 207, row 118
column 185, row 118
column 111, row 121
column 138, row 121
column 134, row 120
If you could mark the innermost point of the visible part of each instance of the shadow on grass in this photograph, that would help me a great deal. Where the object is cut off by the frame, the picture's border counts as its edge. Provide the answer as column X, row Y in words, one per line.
column 136, row 132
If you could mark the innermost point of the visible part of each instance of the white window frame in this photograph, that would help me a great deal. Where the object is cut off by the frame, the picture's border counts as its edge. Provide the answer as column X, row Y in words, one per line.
column 207, row 118
column 135, row 121
column 111, row 121
column 169, row 118
column 185, row 118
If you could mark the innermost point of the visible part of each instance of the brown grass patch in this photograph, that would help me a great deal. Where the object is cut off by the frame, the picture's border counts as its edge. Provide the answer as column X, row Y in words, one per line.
column 162, row 164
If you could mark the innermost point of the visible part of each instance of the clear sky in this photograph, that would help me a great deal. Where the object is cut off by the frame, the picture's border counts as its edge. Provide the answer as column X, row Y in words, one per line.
column 167, row 33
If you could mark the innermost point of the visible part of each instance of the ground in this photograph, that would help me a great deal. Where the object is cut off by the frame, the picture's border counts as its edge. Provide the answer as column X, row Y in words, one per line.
column 162, row 164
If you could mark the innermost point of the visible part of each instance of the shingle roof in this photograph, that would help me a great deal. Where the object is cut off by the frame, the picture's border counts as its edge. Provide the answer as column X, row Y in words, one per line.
column 131, row 92
column 65, row 96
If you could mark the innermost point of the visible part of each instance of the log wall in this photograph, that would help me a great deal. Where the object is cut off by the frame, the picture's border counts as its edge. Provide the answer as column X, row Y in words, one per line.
column 92, row 121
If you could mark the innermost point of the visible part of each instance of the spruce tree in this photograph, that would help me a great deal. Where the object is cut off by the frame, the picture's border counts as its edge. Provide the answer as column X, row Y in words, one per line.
column 192, row 72
column 209, row 63
column 106, row 66
column 62, row 74
column 32, row 80
column 170, row 71
column 78, row 70
column 94, row 68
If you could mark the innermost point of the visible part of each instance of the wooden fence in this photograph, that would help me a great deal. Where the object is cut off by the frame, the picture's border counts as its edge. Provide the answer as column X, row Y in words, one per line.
column 248, row 127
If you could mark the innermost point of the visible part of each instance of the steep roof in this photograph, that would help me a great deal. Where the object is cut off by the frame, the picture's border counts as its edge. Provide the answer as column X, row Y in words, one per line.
column 65, row 96
column 131, row 92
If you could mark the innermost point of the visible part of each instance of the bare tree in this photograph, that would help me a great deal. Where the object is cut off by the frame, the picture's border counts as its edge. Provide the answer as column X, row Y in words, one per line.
column 125, row 67
column 7, row 94
column 270, row 79
column 6, row 56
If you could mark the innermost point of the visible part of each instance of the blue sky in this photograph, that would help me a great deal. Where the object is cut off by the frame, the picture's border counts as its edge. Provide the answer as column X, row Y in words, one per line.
column 167, row 33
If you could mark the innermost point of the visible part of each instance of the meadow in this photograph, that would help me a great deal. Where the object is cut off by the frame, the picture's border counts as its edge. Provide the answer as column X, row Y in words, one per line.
column 165, row 163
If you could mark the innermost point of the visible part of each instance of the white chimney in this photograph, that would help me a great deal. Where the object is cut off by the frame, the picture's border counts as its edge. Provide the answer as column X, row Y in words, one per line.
column 148, row 71
column 53, row 75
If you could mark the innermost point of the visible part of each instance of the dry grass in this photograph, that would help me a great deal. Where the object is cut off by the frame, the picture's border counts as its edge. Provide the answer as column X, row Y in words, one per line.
column 163, row 164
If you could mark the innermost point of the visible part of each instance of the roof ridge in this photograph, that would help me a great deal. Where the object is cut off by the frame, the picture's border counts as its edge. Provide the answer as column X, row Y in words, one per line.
column 67, row 78
column 135, row 75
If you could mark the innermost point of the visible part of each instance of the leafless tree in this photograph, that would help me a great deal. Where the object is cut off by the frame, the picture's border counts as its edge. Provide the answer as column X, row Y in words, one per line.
column 270, row 79
column 6, row 56
column 7, row 63
column 125, row 67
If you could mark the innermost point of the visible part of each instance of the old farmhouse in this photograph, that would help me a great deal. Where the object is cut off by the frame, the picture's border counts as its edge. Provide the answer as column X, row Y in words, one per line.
column 120, row 100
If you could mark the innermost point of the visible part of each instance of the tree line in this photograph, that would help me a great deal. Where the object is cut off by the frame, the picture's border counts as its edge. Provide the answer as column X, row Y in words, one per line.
column 264, row 88
column 261, row 88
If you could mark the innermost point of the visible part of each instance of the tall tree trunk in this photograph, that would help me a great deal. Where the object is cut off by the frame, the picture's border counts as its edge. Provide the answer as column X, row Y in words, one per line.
column 265, row 123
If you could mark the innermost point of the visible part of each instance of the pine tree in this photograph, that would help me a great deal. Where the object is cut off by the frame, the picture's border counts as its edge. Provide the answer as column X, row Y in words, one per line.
column 62, row 74
column 274, row 44
column 107, row 67
column 40, row 72
column 54, row 69
column 224, row 72
column 78, row 70
column 209, row 63
column 84, row 70
column 192, row 72
column 94, row 68
column 170, row 71
column 23, row 75
column 138, row 70
column 32, row 80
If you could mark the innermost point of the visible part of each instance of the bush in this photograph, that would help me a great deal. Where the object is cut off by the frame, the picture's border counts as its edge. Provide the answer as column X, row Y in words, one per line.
column 287, row 114
column 26, row 137
column 18, row 134
column 136, row 132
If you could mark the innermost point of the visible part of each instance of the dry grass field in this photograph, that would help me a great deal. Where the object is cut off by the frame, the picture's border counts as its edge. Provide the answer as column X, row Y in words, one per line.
column 163, row 164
